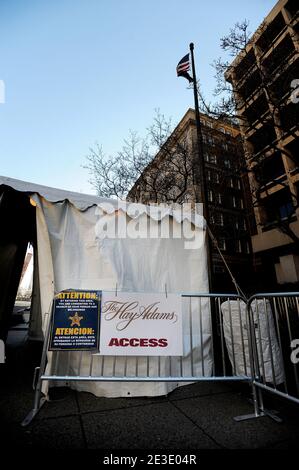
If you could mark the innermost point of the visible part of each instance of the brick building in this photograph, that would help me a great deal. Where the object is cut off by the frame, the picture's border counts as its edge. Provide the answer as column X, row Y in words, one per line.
column 169, row 178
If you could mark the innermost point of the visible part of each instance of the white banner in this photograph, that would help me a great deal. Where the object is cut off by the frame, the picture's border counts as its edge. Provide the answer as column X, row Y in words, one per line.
column 135, row 324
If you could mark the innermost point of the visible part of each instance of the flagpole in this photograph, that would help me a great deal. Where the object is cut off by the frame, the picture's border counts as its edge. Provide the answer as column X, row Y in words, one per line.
column 199, row 169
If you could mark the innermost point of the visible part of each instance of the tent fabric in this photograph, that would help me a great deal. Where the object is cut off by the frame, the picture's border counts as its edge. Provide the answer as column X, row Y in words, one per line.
column 235, row 319
column 158, row 213
column 73, row 253
column 84, row 201
column 71, row 257
column 81, row 201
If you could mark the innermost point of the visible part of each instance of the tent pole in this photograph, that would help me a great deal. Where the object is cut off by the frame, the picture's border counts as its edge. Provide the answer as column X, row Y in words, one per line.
column 39, row 400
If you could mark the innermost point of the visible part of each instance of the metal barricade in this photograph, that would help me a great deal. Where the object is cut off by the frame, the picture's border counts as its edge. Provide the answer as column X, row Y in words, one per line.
column 274, row 321
column 217, row 347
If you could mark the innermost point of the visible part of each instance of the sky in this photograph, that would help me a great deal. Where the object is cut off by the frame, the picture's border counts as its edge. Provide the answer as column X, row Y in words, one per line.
column 77, row 72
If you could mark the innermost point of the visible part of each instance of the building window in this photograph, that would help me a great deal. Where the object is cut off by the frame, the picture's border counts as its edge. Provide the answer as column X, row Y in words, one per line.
column 210, row 196
column 219, row 219
column 238, row 183
column 285, row 210
column 239, row 246
column 227, row 163
column 218, row 269
column 213, row 159
column 278, row 206
column 217, row 179
column 241, row 224
column 237, row 203
column 219, row 198
column 231, row 182
column 222, row 244
column 209, row 175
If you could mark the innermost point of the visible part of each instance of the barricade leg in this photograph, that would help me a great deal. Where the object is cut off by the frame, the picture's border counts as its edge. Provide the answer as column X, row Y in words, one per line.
column 258, row 410
column 38, row 401
column 258, row 402
column 254, row 370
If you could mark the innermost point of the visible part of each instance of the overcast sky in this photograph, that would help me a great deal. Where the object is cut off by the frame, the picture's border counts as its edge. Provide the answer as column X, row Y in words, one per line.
column 81, row 71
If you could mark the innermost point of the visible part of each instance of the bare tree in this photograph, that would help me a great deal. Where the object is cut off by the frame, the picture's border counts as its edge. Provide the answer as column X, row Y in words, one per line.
column 271, row 110
column 163, row 151
column 113, row 175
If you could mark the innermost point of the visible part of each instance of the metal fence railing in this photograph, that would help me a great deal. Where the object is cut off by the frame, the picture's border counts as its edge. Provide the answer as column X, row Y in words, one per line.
column 274, row 320
column 217, row 347
column 226, row 338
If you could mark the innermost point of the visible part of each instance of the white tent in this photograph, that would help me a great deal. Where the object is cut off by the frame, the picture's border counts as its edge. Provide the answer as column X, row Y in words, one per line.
column 73, row 253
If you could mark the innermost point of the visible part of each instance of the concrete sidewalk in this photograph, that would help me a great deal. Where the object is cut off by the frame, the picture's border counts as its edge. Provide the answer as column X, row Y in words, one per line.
column 197, row 416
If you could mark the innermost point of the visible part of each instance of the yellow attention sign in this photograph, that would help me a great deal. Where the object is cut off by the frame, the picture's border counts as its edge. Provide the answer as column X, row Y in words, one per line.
column 74, row 331
column 77, row 295
column 75, row 324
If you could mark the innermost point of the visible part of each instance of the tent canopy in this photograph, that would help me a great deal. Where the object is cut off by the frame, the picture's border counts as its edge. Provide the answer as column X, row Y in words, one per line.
column 72, row 252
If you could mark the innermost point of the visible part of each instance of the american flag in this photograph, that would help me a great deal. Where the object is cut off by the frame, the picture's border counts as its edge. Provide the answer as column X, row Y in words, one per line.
column 183, row 67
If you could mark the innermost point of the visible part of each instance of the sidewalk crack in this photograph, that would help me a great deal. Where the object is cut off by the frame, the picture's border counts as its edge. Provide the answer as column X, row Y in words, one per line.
column 81, row 421
column 199, row 427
